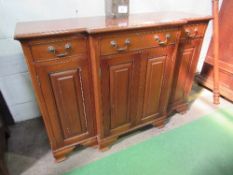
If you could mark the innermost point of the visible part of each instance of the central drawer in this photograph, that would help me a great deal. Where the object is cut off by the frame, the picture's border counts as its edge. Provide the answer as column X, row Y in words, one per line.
column 120, row 42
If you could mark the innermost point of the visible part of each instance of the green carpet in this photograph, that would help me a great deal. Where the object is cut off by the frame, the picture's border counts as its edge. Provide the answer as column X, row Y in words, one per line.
column 203, row 147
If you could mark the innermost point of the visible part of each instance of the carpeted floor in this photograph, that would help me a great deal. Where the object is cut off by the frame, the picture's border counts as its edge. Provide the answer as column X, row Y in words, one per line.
column 203, row 147
column 29, row 152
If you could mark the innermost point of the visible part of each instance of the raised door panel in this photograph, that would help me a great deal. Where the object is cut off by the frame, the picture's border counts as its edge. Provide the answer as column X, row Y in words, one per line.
column 118, row 82
column 68, row 91
column 154, row 82
column 185, row 69
column 68, row 96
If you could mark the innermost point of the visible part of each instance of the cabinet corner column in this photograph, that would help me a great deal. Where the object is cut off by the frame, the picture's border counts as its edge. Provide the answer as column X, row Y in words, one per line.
column 95, row 69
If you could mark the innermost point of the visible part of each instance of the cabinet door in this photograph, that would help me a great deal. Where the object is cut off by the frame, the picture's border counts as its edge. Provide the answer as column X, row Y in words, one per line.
column 157, row 69
column 65, row 85
column 187, row 60
column 119, row 79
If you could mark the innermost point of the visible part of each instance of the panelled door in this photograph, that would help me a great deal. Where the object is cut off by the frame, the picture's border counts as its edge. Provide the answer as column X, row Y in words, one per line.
column 135, row 87
column 66, row 89
column 157, row 68
column 187, row 59
column 119, row 86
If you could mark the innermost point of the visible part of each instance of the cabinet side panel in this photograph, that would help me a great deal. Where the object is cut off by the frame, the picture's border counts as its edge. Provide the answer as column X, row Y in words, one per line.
column 39, row 94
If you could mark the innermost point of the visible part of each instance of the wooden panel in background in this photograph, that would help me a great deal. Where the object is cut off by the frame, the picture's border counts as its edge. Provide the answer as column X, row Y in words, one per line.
column 225, row 54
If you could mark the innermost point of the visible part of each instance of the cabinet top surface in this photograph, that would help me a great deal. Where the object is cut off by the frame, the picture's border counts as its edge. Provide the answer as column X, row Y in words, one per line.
column 102, row 24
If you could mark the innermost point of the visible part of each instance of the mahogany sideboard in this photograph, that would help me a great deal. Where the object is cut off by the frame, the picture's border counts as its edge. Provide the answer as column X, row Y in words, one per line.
column 98, row 78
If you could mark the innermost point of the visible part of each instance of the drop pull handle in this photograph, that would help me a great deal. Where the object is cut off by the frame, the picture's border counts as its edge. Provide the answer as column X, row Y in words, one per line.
column 67, row 47
column 118, row 48
column 191, row 34
column 164, row 42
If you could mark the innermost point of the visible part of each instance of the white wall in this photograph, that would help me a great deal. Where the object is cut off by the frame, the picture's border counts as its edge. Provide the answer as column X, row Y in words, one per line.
column 14, row 79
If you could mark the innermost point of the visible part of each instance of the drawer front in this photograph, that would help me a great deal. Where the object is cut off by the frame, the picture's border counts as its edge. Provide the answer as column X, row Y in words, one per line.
column 193, row 31
column 118, row 42
column 50, row 49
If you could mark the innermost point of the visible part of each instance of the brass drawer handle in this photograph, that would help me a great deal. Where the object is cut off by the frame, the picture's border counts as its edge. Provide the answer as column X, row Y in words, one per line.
column 52, row 49
column 190, row 34
column 120, row 49
column 162, row 43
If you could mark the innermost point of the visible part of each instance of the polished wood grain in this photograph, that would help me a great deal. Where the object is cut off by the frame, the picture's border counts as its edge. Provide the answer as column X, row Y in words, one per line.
column 118, row 82
column 193, row 30
column 68, row 89
column 158, row 68
column 186, row 64
column 65, row 85
column 40, row 47
column 96, row 79
column 101, row 24
column 154, row 82
column 135, row 85
column 215, row 12
column 40, row 73
column 142, row 39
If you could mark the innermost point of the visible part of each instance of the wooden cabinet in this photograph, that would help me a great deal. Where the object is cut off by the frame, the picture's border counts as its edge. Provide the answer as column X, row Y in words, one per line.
column 186, row 64
column 65, row 92
column 96, row 79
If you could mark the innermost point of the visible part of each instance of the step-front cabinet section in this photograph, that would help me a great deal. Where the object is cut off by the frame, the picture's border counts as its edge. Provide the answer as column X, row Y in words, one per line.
column 119, row 84
column 186, row 64
column 156, row 76
column 136, row 81
column 66, row 89
column 187, row 59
